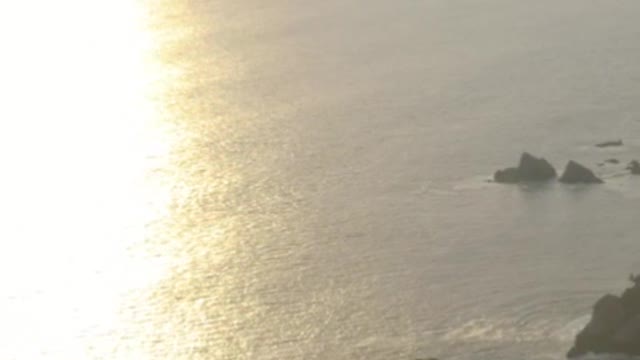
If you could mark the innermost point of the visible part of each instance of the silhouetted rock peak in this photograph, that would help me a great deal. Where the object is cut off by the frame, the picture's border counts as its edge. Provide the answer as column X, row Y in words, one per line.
column 530, row 168
column 575, row 173
column 535, row 169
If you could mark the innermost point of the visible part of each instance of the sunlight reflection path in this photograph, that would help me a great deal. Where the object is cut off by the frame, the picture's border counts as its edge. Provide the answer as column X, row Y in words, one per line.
column 77, row 130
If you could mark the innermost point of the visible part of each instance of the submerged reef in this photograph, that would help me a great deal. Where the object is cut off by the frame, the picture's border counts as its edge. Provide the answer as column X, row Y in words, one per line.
column 610, row 143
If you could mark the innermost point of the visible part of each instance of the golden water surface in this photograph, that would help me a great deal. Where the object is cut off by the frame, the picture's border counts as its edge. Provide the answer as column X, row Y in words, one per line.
column 82, row 133
column 305, row 179
column 122, row 199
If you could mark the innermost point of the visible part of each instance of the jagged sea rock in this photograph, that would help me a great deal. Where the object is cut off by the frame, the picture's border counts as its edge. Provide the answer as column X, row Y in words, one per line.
column 530, row 168
column 575, row 173
column 634, row 166
column 535, row 169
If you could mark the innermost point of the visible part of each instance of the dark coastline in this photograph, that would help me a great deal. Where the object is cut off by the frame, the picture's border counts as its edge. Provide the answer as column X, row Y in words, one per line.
column 614, row 327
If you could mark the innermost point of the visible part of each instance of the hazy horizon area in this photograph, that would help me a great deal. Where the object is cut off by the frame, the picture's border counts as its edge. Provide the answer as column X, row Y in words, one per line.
column 244, row 179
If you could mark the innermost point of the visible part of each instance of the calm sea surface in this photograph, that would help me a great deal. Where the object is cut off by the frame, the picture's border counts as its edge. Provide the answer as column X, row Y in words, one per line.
column 251, row 179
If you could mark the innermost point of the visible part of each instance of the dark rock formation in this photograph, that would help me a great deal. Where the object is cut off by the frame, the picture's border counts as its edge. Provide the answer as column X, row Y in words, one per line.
column 634, row 166
column 614, row 327
column 575, row 173
column 507, row 176
column 610, row 143
column 535, row 169
column 529, row 169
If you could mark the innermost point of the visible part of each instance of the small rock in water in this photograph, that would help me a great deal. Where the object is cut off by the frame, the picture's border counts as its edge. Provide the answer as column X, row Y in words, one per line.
column 610, row 143
column 507, row 176
column 575, row 173
column 530, row 168
column 612, row 161
column 634, row 166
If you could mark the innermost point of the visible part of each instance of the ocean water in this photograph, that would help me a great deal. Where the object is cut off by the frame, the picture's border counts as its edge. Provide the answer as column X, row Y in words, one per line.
column 315, row 181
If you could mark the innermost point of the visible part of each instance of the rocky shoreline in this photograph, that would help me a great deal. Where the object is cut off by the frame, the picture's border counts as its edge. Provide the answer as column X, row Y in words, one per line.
column 614, row 327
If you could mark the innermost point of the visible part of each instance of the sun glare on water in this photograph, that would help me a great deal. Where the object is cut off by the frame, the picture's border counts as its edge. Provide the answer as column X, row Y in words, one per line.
column 76, row 129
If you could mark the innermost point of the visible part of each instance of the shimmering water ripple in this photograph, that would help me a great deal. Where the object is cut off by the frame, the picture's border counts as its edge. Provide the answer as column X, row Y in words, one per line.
column 293, row 180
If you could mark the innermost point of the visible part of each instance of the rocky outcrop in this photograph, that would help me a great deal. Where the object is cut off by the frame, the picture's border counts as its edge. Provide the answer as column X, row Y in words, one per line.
column 535, row 169
column 575, row 173
column 610, row 143
column 614, row 327
column 507, row 176
column 634, row 167
column 530, row 168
